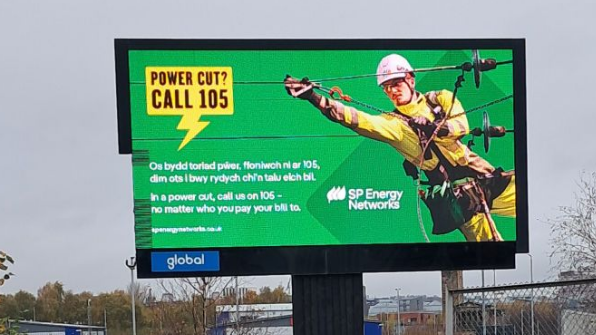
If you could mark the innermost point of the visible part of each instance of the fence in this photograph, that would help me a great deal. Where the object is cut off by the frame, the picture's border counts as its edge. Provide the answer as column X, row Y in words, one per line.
column 555, row 308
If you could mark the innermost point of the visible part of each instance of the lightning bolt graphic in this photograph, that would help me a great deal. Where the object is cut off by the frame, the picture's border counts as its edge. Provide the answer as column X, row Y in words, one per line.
column 190, row 121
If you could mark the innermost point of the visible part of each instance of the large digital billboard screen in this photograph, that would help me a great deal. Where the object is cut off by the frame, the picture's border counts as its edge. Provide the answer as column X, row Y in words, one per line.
column 324, row 156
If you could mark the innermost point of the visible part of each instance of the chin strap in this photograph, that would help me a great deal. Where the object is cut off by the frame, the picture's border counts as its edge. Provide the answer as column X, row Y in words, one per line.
column 412, row 92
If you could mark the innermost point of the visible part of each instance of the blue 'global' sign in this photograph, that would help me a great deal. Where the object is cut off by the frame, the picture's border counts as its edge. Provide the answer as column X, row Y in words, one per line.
column 185, row 261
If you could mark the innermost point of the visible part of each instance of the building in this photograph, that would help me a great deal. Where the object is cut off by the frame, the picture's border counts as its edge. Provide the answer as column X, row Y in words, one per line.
column 276, row 325
column 417, row 312
column 406, row 303
column 227, row 313
column 433, row 306
column 469, row 320
column 266, row 319
column 48, row 328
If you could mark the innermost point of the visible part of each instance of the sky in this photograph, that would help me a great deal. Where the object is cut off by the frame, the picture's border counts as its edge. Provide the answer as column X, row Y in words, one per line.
column 66, row 193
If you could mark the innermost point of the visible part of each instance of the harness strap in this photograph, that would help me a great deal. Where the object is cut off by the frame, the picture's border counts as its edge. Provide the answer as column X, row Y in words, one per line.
column 444, row 171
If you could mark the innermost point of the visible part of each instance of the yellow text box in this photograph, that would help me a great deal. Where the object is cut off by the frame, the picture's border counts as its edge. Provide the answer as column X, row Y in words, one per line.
column 180, row 90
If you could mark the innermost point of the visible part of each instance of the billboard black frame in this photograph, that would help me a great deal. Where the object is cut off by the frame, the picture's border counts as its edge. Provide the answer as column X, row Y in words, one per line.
column 301, row 260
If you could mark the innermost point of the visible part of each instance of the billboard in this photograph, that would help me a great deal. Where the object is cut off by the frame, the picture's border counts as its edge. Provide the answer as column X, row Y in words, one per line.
column 324, row 156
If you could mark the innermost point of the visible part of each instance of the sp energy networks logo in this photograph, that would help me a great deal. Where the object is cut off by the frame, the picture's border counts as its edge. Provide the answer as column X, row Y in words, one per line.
column 364, row 199
column 190, row 92
column 185, row 261
column 336, row 194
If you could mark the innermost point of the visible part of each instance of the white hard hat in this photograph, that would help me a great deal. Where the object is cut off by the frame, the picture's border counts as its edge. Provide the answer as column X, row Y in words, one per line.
column 391, row 67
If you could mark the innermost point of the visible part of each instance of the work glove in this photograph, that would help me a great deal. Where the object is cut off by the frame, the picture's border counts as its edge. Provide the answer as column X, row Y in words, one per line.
column 422, row 124
column 302, row 89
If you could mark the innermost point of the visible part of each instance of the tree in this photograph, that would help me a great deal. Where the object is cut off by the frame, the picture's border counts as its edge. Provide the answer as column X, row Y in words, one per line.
column 9, row 307
column 192, row 305
column 250, row 297
column 5, row 326
column 74, row 308
column 275, row 296
column 117, row 306
column 4, row 273
column 265, row 295
column 280, row 296
column 50, row 302
column 573, row 232
column 26, row 304
column 140, row 292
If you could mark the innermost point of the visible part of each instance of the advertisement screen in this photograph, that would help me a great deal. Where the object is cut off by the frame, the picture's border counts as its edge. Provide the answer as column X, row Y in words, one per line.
column 292, row 156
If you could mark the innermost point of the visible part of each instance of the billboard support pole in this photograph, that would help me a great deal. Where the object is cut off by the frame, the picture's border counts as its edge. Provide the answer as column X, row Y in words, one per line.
column 328, row 304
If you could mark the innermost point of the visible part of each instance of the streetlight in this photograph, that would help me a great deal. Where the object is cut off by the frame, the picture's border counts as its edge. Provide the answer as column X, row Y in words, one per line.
column 398, row 315
column 531, row 292
column 131, row 264
column 89, row 316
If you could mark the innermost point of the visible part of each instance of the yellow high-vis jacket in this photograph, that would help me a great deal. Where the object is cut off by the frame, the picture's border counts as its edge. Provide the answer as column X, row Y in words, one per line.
column 393, row 129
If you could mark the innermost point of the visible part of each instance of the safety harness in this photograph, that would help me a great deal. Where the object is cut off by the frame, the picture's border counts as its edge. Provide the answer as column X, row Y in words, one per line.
column 456, row 193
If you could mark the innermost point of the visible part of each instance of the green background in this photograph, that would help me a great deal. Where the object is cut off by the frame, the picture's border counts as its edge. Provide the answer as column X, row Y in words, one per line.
column 268, row 125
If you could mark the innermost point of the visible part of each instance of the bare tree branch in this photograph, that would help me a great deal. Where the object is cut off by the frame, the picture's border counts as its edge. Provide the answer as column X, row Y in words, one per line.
column 573, row 231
